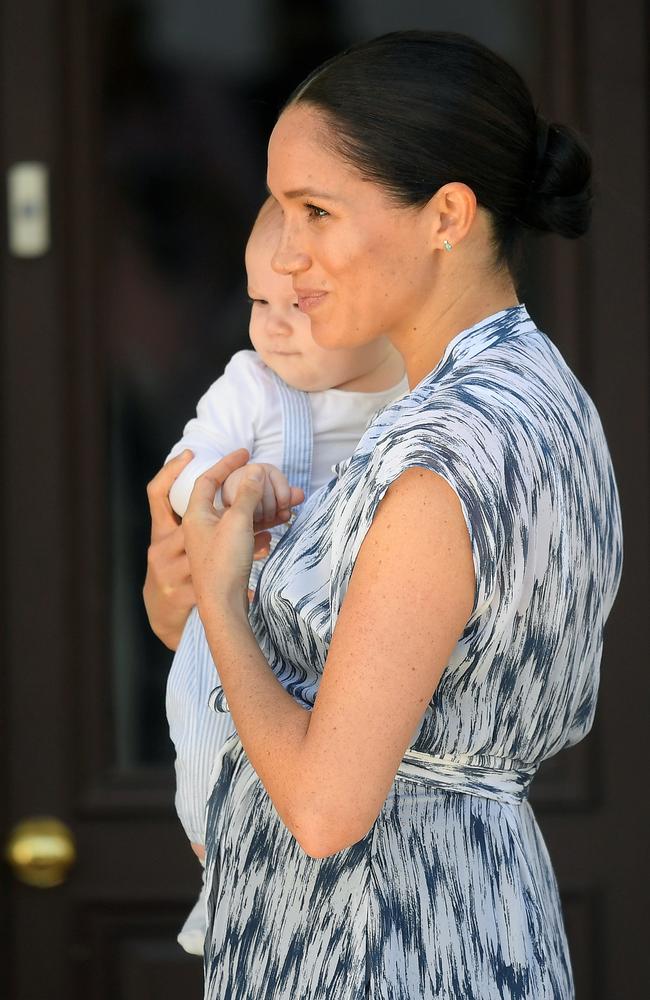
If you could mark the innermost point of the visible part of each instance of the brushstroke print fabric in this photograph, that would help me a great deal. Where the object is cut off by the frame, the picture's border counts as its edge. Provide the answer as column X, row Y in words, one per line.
column 451, row 894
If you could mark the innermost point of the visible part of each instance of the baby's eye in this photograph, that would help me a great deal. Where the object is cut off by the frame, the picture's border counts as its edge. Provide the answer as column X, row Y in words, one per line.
column 315, row 212
column 257, row 302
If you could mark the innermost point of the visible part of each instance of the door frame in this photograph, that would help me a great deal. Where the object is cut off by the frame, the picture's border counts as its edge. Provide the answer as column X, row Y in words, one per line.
column 55, row 728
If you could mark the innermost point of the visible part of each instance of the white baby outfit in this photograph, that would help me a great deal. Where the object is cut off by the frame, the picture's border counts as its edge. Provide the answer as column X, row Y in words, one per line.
column 304, row 435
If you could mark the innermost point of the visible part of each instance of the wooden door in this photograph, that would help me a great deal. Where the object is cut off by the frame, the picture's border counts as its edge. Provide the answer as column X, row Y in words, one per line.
column 152, row 121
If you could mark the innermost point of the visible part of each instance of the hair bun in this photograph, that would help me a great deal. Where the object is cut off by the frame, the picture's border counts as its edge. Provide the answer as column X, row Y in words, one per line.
column 560, row 196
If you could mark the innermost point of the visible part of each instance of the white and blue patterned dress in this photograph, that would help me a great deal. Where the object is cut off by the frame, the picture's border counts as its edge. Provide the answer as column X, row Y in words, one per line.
column 451, row 893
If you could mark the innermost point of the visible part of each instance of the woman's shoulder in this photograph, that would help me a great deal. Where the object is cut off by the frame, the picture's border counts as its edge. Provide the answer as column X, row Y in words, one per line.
column 522, row 386
column 505, row 427
column 450, row 414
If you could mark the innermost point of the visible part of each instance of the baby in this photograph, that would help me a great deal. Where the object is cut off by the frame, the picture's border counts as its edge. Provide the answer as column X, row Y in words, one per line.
column 298, row 409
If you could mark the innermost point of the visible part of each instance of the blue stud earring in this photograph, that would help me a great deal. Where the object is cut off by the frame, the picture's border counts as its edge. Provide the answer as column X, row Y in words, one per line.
column 447, row 245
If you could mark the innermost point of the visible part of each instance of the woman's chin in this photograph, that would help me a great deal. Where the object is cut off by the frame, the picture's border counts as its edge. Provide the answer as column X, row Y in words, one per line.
column 328, row 336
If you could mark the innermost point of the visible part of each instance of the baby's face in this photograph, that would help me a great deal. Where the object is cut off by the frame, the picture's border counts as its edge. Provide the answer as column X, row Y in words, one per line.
column 281, row 333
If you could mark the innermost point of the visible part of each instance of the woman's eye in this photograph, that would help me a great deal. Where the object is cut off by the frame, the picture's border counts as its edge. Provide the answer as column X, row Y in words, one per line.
column 315, row 212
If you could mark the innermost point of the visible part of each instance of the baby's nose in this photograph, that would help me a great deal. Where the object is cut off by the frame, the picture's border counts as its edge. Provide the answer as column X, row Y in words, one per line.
column 277, row 324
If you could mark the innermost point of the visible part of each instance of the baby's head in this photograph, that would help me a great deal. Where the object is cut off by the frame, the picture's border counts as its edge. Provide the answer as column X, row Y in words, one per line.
column 281, row 333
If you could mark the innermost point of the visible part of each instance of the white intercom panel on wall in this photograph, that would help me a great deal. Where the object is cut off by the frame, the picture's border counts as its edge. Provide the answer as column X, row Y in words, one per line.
column 28, row 209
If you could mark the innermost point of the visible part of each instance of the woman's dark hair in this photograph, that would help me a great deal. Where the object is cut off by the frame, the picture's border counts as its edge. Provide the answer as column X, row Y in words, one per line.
column 414, row 110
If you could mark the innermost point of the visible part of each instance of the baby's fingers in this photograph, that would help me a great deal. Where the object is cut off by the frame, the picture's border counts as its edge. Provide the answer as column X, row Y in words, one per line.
column 261, row 544
column 296, row 496
column 281, row 488
column 269, row 506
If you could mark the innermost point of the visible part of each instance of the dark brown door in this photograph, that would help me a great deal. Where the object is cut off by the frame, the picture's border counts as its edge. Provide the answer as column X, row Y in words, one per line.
column 151, row 119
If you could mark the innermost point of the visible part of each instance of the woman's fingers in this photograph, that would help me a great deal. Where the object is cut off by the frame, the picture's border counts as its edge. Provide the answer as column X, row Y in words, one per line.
column 168, row 548
column 206, row 485
column 168, row 571
column 249, row 493
column 180, row 598
column 163, row 518
column 261, row 544
column 168, row 590
column 182, row 571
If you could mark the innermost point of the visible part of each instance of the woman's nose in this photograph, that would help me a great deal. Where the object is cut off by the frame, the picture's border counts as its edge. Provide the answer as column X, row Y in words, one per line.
column 288, row 258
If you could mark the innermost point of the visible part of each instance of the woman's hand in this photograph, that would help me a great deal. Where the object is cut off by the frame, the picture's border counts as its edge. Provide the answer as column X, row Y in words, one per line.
column 168, row 592
column 221, row 544
column 276, row 492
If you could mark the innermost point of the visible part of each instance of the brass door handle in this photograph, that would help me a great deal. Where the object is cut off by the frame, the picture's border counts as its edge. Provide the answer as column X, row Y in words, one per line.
column 41, row 850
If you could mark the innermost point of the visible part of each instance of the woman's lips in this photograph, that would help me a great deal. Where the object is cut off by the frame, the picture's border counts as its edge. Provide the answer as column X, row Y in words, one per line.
column 309, row 299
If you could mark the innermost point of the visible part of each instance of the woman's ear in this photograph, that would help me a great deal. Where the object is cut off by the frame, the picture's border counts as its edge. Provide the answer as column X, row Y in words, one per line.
column 453, row 210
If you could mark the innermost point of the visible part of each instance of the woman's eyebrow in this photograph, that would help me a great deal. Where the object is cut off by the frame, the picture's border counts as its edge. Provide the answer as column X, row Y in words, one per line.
column 305, row 192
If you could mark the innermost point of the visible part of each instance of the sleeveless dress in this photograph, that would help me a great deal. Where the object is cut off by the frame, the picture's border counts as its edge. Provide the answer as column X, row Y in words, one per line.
column 451, row 894
column 313, row 428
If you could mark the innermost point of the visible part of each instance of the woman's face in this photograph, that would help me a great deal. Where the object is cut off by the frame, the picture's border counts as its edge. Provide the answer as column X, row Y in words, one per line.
column 361, row 265
column 281, row 333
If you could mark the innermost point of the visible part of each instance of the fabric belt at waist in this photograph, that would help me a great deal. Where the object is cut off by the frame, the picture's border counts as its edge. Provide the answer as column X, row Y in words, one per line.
column 507, row 782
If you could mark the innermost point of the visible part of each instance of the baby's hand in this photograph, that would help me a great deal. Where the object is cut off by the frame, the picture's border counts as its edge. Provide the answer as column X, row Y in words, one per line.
column 276, row 496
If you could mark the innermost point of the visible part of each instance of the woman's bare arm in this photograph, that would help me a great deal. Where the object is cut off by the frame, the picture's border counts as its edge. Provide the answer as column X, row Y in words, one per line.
column 410, row 595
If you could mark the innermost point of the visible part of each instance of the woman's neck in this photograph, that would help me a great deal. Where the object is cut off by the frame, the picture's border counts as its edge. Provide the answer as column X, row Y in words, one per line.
column 385, row 375
column 423, row 344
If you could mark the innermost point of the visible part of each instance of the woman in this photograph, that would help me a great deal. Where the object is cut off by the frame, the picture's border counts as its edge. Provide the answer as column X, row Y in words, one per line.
column 431, row 628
